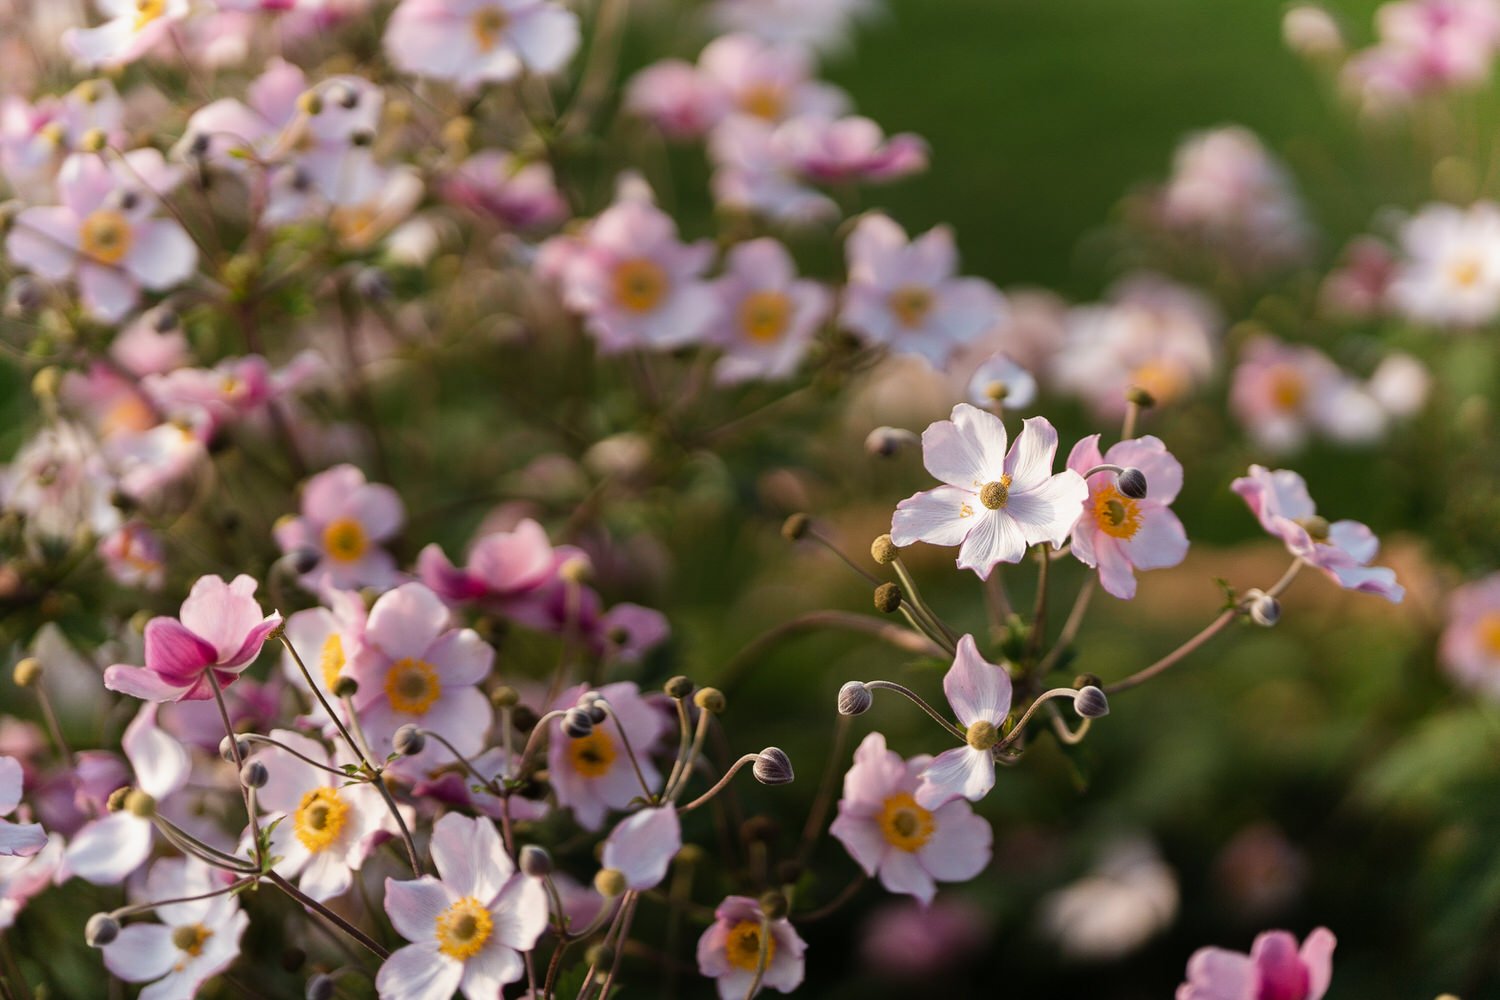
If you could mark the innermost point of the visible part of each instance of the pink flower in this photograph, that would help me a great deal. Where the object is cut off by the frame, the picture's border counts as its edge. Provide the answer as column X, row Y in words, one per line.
column 105, row 233
column 23, row 878
column 1118, row 534
column 766, row 80
column 642, row 846
column 636, row 284
column 1358, row 287
column 729, row 951
column 1426, row 46
column 999, row 381
column 815, row 24
column 194, row 941
column 17, row 840
column 1470, row 646
column 980, row 693
column 1274, row 970
column 844, row 150
column 213, row 398
column 503, row 567
column 34, row 137
column 593, row 774
column 768, row 316
column 223, row 132
column 133, row 555
column 903, row 294
column 467, row 927
column 1449, row 274
column 516, row 193
column 673, row 96
column 220, row 629
column 908, row 940
column 889, row 834
column 996, row 503
column 752, row 174
column 151, row 344
column 414, row 668
column 328, row 640
column 344, row 522
column 1342, row 550
column 133, row 28
column 470, row 42
column 1281, row 392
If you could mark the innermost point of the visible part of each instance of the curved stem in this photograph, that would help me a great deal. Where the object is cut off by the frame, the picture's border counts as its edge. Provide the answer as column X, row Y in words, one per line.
column 327, row 914
column 1020, row 726
column 749, row 758
column 902, row 638
column 235, row 886
column 920, row 703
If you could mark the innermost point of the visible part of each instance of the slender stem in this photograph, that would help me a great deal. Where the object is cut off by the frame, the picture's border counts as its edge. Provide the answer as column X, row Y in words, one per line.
column 537, row 732
column 765, row 956
column 828, row 544
column 684, row 742
column 813, row 621
column 312, row 685
column 997, row 601
column 920, row 703
column 629, row 751
column 749, row 758
column 235, row 886
column 54, row 729
column 909, row 582
column 1071, row 737
column 924, row 627
column 1070, row 627
column 467, row 765
column 412, row 857
column 327, row 914
column 1039, row 614
column 268, row 741
column 826, row 787
column 631, row 899
column 1132, row 414
column 210, row 856
column 1020, row 726
column 239, row 762
column 699, row 736
column 1105, row 467
column 834, row 905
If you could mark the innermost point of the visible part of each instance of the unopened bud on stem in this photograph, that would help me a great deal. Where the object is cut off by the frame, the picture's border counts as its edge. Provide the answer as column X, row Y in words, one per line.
column 887, row 598
column 1091, row 703
column 254, row 774
column 1132, row 484
column 535, row 861
column 409, row 740
column 773, row 767
column 28, row 672
column 855, row 698
column 101, row 930
column 577, row 724
column 884, row 551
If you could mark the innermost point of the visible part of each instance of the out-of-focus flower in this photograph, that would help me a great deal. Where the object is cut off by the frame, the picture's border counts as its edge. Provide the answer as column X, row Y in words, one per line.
column 995, row 502
column 848, row 150
column 903, row 293
column 1127, row 899
column 817, row 24
column 673, row 96
column 134, row 557
column 1342, row 550
column 35, row 137
column 913, row 942
column 513, row 191
column 593, row 774
column 909, row 846
column 979, row 693
column 1260, row 871
column 414, row 668
column 325, row 828
column 773, row 82
column 999, row 381
column 1153, row 335
column 344, row 522
column 328, row 640
column 1425, row 46
column 642, row 845
column 17, row 840
column 106, row 233
column 469, row 926
column 60, row 483
column 23, row 878
column 1470, row 646
column 194, row 941
column 1275, row 969
column 753, row 174
column 627, row 632
column 503, row 567
column 1311, row 31
column 730, row 950
column 1449, row 275
column 1400, row 384
column 472, row 42
column 1359, row 286
column 1282, row 392
column 1118, row 534
column 220, row 628
column 768, row 315
column 133, row 28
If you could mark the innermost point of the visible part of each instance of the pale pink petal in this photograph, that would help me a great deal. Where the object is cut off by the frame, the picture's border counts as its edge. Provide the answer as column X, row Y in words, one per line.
column 1047, row 513
column 10, row 785
column 546, row 37
column 379, row 509
column 107, row 850
column 143, row 952
column 21, row 840
column 469, row 856
column 415, row 905
column 419, row 972
column 222, row 614
column 959, row 848
column 962, row 772
column 461, row 657
column 44, row 241
column 1160, row 542
column 902, row 872
column 1029, row 461
column 520, row 913
column 642, row 845
column 1317, row 955
column 107, row 292
column 966, row 451
column 405, row 621
column 160, row 762
column 138, row 682
column 979, row 691
column 1217, row 974
column 489, row 971
column 936, row 516
column 994, row 538
column 163, row 255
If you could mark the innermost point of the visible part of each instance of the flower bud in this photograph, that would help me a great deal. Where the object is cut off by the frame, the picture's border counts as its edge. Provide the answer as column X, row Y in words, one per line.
column 576, row 570
column 1140, row 397
column 310, row 103
column 884, row 442
column 28, row 672
column 887, row 598
column 773, row 904
column 409, row 740
column 795, row 527
column 304, row 561
column 254, row 774
column 140, row 804
column 609, row 883
column 535, row 861
column 227, row 748
column 1132, row 483
column 710, row 700
column 1263, row 609
column 678, row 687
column 883, row 550
column 116, row 800
column 319, row 987
column 855, row 698
column 505, row 696
column 773, row 767
column 691, row 854
column 46, row 382
column 100, row 930
column 577, row 724
column 93, row 140
column 24, row 296
column 1091, row 703
column 345, row 687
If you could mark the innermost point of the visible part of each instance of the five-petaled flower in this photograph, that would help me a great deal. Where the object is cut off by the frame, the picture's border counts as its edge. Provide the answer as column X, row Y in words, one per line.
column 1118, row 534
column 1275, row 969
column 731, row 950
column 980, row 694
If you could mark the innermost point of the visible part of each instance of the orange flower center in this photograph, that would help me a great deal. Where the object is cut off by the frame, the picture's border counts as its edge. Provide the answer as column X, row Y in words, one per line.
column 1117, row 515
column 320, row 818
column 763, row 100
column 743, row 947
column 1288, row 387
column 903, row 823
column 1489, row 633
column 488, row 25
column 1164, row 381
column 412, row 686
column 593, row 754
column 463, row 928
column 344, row 540
column 640, row 285
column 764, row 316
column 911, row 304
column 190, row 938
column 106, row 236
column 1466, row 272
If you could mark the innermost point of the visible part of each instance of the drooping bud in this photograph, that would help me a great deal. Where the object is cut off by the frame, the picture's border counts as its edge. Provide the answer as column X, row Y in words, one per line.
column 855, row 698
column 101, row 930
column 254, row 774
column 593, row 703
column 304, row 561
column 310, row 103
column 710, row 700
column 774, row 904
column 795, row 527
column 227, row 748
column 409, row 740
column 1140, row 397
column 609, row 882
column 505, row 696
column 535, row 861
column 887, row 441
column 27, row 672
column 1091, row 703
column 773, row 767
column 1132, row 484
column 1263, row 609
column 887, row 598
column 884, row 551
column 678, row 687
column 577, row 724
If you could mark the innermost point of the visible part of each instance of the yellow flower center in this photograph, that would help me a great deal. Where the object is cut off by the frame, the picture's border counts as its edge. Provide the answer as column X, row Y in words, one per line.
column 995, row 495
column 911, row 304
column 743, row 947
column 344, row 540
column 320, row 818
column 763, row 100
column 412, row 686
column 106, row 236
column 1288, row 387
column 1489, row 633
column 1466, row 272
column 640, row 285
column 593, row 754
column 1164, row 381
column 463, row 928
column 191, row 938
column 764, row 316
column 147, row 11
column 488, row 25
column 331, row 659
column 1117, row 515
column 353, row 223
column 130, row 413
column 905, row 824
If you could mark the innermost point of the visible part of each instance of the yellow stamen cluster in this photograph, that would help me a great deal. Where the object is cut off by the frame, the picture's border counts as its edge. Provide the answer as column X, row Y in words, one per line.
column 320, row 818
column 488, row 25
column 640, row 284
column 743, row 946
column 412, row 686
column 592, row 755
column 331, row 659
column 764, row 316
column 911, row 304
column 345, row 540
column 903, row 823
column 463, row 928
column 106, row 236
column 1117, row 515
column 997, row 494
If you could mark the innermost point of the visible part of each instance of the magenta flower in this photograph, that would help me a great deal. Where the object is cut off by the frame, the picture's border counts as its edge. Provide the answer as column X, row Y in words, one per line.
column 768, row 317
column 903, row 293
column 467, row 927
column 995, row 502
column 516, row 193
column 1470, row 646
column 889, row 834
column 848, row 150
column 106, row 233
column 470, row 42
column 344, row 522
column 503, row 567
column 592, row 774
column 1274, row 970
column 729, row 951
column 17, row 840
column 1118, row 534
column 1342, row 550
column 220, row 628
column 980, row 693
column 642, row 846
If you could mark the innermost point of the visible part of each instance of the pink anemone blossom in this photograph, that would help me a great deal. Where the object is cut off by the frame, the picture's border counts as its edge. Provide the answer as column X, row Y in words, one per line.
column 471, row 42
column 1470, row 646
column 642, row 846
column 17, row 840
column 593, row 774
column 729, row 952
column 1118, row 534
column 133, row 29
column 979, row 693
column 1275, row 969
column 503, row 567
column 344, row 522
column 769, row 315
